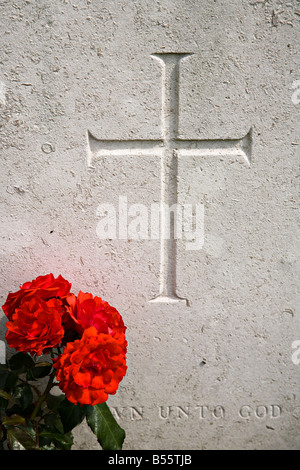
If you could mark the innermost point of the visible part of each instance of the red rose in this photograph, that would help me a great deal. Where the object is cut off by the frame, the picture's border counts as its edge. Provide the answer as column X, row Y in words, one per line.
column 91, row 368
column 36, row 326
column 43, row 287
column 86, row 310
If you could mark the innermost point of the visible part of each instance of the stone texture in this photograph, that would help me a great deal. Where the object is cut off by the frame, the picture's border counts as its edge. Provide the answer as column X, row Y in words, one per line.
column 216, row 373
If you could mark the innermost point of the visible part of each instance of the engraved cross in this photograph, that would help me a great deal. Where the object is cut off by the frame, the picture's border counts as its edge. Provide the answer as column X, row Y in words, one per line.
column 168, row 148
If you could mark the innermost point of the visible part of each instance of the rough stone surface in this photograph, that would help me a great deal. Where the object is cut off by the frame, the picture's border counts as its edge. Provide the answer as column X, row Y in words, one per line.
column 216, row 372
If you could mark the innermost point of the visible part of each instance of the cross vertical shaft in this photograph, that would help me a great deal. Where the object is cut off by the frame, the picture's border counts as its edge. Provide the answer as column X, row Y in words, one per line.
column 169, row 166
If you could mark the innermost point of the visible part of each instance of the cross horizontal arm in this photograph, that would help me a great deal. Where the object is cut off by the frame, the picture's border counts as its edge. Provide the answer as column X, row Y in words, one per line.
column 239, row 148
column 101, row 147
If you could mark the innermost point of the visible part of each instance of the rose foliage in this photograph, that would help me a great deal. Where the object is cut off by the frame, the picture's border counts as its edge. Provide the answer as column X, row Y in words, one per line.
column 78, row 344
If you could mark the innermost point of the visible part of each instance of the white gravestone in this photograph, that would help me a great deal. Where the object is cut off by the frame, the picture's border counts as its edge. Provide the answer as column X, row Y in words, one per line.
column 150, row 156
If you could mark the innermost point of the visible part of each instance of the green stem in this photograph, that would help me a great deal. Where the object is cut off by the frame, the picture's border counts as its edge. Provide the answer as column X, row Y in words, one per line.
column 44, row 396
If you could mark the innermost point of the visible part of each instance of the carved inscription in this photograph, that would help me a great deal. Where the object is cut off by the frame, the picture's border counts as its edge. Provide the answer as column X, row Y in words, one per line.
column 132, row 413
column 260, row 411
column 198, row 412
column 202, row 412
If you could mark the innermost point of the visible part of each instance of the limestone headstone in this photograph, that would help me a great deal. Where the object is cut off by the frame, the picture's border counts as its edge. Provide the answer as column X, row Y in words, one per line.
column 150, row 155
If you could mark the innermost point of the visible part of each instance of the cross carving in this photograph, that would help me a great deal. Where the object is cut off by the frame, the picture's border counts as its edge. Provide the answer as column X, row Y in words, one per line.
column 168, row 148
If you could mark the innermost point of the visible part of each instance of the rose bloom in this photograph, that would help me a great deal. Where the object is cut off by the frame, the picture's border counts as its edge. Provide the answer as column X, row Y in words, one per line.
column 36, row 326
column 43, row 287
column 85, row 311
column 91, row 368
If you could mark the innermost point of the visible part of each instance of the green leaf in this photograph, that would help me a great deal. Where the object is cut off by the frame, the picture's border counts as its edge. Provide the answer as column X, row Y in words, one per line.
column 108, row 432
column 53, row 423
column 41, row 369
column 7, row 396
column 61, row 441
column 21, row 361
column 54, row 401
column 3, row 374
column 11, row 382
column 13, row 420
column 71, row 415
column 26, row 396
column 17, row 436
